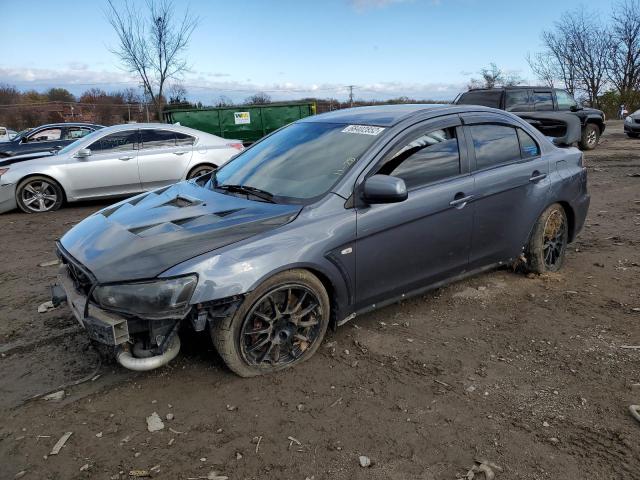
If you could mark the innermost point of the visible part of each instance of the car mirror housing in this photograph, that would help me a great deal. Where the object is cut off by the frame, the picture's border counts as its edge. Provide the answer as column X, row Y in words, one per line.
column 83, row 153
column 384, row 189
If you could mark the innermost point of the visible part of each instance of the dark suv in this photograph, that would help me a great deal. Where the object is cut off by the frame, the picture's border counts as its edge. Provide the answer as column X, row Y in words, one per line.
column 45, row 138
column 522, row 99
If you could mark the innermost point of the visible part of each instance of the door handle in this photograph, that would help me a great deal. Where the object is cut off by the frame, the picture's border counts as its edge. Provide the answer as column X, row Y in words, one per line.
column 537, row 176
column 179, row 153
column 460, row 200
column 125, row 158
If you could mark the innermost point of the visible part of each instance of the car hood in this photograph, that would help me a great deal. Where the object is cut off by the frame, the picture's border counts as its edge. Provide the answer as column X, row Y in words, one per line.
column 594, row 111
column 23, row 158
column 143, row 236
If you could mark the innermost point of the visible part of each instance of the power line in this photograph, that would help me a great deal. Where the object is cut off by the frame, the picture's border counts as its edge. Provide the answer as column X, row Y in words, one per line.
column 350, row 87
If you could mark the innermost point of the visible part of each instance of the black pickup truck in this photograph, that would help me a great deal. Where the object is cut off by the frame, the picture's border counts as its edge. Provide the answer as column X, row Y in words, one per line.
column 521, row 100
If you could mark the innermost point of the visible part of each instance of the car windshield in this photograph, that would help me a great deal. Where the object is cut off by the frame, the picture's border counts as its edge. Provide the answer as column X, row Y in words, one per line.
column 299, row 162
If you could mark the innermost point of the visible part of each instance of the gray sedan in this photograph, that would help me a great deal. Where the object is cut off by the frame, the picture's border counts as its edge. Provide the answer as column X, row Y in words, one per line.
column 115, row 161
column 328, row 218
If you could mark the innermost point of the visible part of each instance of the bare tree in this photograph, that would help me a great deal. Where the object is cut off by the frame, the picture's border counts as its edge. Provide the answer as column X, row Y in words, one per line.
column 494, row 77
column 623, row 66
column 544, row 66
column 177, row 93
column 153, row 45
column 223, row 101
column 259, row 98
column 579, row 46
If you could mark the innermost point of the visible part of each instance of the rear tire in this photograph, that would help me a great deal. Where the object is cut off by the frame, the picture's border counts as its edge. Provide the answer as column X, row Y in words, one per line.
column 548, row 243
column 270, row 331
column 200, row 170
column 39, row 194
column 590, row 137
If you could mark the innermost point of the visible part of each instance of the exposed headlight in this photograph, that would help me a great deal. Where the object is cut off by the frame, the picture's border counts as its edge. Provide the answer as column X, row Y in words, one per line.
column 628, row 119
column 158, row 299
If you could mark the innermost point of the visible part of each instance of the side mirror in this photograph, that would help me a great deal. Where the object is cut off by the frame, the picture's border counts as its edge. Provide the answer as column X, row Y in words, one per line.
column 83, row 153
column 575, row 108
column 384, row 189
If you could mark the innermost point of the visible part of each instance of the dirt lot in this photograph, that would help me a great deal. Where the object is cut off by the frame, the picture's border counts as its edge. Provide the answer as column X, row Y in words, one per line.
column 528, row 373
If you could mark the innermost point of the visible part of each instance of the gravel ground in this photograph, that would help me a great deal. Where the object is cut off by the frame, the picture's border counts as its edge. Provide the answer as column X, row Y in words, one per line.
column 527, row 373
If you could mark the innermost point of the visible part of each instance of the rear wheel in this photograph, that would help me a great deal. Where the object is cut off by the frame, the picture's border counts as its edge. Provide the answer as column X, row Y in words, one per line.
column 548, row 244
column 39, row 194
column 200, row 170
column 590, row 137
column 279, row 324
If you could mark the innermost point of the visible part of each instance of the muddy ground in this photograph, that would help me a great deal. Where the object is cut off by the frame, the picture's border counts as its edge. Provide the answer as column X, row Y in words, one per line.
column 528, row 373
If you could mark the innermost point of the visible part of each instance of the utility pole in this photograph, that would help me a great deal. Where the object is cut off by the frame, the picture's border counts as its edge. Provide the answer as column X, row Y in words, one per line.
column 350, row 87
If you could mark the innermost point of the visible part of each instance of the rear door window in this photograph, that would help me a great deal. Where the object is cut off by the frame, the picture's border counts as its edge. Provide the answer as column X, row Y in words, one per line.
column 73, row 133
column 184, row 139
column 542, row 101
column 157, row 138
column 517, row 101
column 427, row 158
column 528, row 146
column 494, row 145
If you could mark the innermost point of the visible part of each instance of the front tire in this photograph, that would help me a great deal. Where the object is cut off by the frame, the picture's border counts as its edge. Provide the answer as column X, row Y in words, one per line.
column 280, row 324
column 632, row 135
column 200, row 170
column 39, row 194
column 590, row 137
column 548, row 243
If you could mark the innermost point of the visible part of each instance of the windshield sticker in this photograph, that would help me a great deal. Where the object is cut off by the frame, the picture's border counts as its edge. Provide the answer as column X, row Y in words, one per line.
column 363, row 129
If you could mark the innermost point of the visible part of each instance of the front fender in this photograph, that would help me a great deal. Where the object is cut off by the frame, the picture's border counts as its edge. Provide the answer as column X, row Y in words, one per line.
column 313, row 241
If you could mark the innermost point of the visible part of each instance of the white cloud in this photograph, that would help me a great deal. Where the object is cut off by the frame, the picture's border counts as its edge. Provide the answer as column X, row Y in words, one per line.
column 207, row 86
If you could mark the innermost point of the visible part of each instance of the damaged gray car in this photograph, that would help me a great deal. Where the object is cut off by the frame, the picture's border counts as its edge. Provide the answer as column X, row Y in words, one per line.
column 325, row 219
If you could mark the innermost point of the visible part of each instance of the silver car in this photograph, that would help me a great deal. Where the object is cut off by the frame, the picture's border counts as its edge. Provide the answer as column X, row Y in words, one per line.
column 113, row 161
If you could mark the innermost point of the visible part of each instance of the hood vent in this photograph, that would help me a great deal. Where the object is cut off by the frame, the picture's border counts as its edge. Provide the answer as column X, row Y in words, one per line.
column 180, row 202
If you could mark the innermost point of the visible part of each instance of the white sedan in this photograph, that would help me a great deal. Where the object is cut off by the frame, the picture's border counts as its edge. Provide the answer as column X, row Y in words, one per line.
column 113, row 161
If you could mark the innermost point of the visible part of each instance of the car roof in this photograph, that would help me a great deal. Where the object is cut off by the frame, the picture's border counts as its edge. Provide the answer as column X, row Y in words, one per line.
column 390, row 115
column 513, row 87
column 68, row 124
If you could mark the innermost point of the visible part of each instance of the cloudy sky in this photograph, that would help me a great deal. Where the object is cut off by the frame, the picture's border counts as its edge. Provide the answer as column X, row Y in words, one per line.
column 424, row 49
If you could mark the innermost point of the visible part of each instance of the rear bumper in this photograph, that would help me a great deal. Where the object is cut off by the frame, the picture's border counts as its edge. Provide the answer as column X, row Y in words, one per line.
column 8, row 197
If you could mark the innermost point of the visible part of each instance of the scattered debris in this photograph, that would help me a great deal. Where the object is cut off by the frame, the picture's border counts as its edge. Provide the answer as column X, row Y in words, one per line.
column 365, row 462
column 154, row 423
column 635, row 411
column 171, row 441
column 59, row 395
column 257, row 440
column 293, row 440
column 442, row 383
column 485, row 467
column 169, row 416
column 335, row 403
column 631, row 347
column 60, row 443
column 155, row 468
column 238, row 456
column 633, row 174
column 49, row 263
column 140, row 473
column 231, row 408
column 99, row 434
column 300, row 407
column 203, row 459
column 177, row 432
column 45, row 307
column 20, row 474
column 84, row 467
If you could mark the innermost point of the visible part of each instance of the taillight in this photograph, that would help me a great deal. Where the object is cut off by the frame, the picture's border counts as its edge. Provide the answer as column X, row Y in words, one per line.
column 237, row 145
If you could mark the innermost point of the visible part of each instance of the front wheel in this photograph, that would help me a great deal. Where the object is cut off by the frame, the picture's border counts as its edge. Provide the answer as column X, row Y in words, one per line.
column 280, row 324
column 38, row 195
column 590, row 137
column 200, row 170
column 548, row 243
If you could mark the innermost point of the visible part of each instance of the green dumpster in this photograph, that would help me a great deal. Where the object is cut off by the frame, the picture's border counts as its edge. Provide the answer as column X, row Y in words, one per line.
column 247, row 123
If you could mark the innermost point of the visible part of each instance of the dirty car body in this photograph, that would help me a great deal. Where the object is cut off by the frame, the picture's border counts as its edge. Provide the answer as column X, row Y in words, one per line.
column 388, row 202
